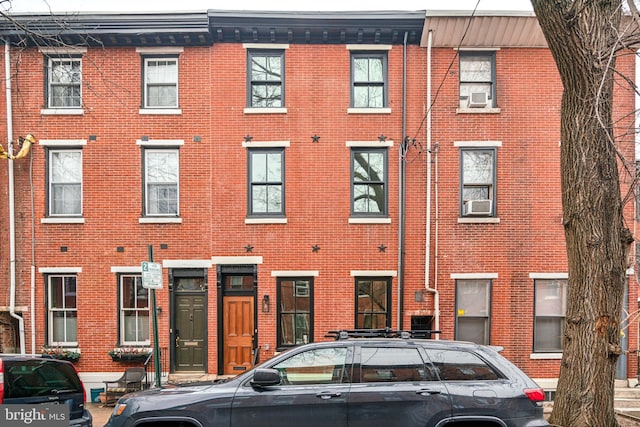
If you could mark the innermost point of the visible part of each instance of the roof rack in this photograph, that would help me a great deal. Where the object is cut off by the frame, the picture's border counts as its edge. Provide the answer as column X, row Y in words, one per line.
column 379, row 333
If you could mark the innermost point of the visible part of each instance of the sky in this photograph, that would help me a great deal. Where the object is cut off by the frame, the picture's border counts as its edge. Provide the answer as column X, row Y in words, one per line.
column 16, row 6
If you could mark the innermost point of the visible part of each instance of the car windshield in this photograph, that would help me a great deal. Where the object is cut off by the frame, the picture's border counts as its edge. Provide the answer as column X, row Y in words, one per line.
column 27, row 378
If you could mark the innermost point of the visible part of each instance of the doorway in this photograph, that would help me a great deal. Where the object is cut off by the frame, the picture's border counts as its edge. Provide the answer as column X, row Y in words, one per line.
column 189, row 337
column 238, row 334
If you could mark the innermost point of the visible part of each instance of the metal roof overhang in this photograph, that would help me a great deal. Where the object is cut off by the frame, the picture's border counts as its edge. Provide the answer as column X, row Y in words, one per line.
column 379, row 27
column 485, row 29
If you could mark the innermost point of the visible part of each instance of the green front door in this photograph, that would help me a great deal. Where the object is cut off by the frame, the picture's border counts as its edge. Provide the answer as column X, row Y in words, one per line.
column 190, row 332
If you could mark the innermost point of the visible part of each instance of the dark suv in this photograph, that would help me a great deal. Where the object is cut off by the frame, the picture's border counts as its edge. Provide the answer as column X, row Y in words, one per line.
column 372, row 382
column 34, row 380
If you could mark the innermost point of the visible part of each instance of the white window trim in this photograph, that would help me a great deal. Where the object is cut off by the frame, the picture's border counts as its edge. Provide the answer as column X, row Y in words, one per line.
column 272, row 46
column 472, row 276
column 159, row 109
column 234, row 260
column 382, row 110
column 62, row 220
column 173, row 217
column 60, row 270
column 65, row 217
column 265, row 110
column 62, row 110
column 295, row 273
column 265, row 221
column 369, row 143
column 72, row 111
column 62, row 142
column 357, row 220
column 483, row 220
column 160, row 142
column 160, row 220
column 162, row 50
column 187, row 263
column 124, row 269
column 548, row 275
column 373, row 273
column 369, row 47
column 123, row 342
column 50, row 311
column 477, row 144
column 265, row 144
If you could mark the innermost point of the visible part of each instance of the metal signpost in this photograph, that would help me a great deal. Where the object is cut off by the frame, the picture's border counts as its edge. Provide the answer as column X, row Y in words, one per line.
column 152, row 280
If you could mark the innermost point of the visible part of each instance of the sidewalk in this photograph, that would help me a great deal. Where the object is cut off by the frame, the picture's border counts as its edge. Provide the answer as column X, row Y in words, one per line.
column 100, row 413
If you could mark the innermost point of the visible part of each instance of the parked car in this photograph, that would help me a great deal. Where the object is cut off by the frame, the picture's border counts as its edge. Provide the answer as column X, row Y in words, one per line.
column 354, row 382
column 35, row 380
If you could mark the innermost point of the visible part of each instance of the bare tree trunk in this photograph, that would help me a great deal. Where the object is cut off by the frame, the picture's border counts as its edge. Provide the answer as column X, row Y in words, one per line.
column 582, row 36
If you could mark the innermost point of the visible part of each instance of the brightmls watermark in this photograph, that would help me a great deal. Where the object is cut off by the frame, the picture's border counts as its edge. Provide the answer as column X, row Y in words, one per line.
column 45, row 415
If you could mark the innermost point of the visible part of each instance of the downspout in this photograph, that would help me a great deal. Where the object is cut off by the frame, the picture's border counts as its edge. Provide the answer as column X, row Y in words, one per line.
column 427, row 252
column 12, row 226
column 401, row 187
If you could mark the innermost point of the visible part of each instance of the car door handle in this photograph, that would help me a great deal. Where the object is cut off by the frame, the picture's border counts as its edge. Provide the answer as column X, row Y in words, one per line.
column 328, row 394
column 427, row 392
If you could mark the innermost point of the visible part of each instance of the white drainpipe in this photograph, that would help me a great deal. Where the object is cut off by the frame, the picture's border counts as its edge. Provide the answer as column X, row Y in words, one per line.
column 12, row 225
column 427, row 263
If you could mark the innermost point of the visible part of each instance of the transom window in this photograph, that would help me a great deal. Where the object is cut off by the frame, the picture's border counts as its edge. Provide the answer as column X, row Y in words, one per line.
column 161, row 168
column 266, row 182
column 265, row 79
column 295, row 305
column 369, row 80
column 477, row 78
column 473, row 299
column 65, row 182
column 134, row 311
column 64, row 82
column 550, row 312
column 478, row 182
column 161, row 82
column 373, row 303
column 62, row 310
column 369, row 181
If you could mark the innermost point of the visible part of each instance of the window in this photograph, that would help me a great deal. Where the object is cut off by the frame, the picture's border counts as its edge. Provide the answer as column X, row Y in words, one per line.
column 65, row 182
column 381, row 364
column 550, row 311
column 265, row 88
column 295, row 305
column 472, row 310
column 161, row 175
column 456, row 365
column 266, row 182
column 62, row 310
column 369, row 181
column 369, row 80
column 64, row 82
column 134, row 311
column 477, row 78
column 478, row 182
column 160, row 82
column 373, row 303
column 317, row 366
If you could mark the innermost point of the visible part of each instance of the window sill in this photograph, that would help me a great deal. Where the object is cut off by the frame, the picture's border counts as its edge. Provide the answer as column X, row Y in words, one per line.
column 251, row 110
column 62, row 112
column 369, row 111
column 265, row 221
column 160, row 220
column 62, row 220
column 160, row 111
column 545, row 356
column 356, row 220
column 478, row 111
column 476, row 220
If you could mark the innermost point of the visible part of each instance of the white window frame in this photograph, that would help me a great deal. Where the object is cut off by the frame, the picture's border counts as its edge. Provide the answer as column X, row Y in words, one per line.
column 461, row 311
column 147, row 182
column 52, row 183
column 169, row 83
column 561, row 299
column 51, row 310
column 137, row 277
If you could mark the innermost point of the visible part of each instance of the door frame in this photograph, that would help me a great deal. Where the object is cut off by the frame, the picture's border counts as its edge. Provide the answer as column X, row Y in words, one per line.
column 183, row 273
column 223, row 271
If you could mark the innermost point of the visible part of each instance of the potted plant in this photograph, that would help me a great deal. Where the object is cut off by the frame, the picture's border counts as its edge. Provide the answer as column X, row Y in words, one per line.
column 130, row 354
column 62, row 353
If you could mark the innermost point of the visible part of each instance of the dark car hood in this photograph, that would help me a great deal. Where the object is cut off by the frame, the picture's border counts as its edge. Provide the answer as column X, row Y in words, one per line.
column 178, row 396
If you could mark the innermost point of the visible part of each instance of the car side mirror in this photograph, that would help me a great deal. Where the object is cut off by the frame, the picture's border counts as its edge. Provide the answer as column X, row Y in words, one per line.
column 263, row 377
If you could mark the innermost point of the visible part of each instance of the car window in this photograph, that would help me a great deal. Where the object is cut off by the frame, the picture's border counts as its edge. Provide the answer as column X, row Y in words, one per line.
column 317, row 366
column 26, row 378
column 387, row 364
column 457, row 365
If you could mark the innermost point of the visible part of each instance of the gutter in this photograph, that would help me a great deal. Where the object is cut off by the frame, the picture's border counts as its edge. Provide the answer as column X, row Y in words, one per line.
column 427, row 252
column 401, row 187
column 12, row 225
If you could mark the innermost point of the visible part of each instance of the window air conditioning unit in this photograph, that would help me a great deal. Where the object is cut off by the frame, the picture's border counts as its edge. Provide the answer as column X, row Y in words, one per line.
column 477, row 207
column 478, row 100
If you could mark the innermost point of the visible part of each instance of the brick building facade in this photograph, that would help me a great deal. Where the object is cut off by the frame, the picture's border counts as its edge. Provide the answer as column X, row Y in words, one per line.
column 291, row 176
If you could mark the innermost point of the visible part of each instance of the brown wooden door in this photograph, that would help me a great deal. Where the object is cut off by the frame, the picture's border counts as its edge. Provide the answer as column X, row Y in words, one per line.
column 238, row 330
column 189, row 345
